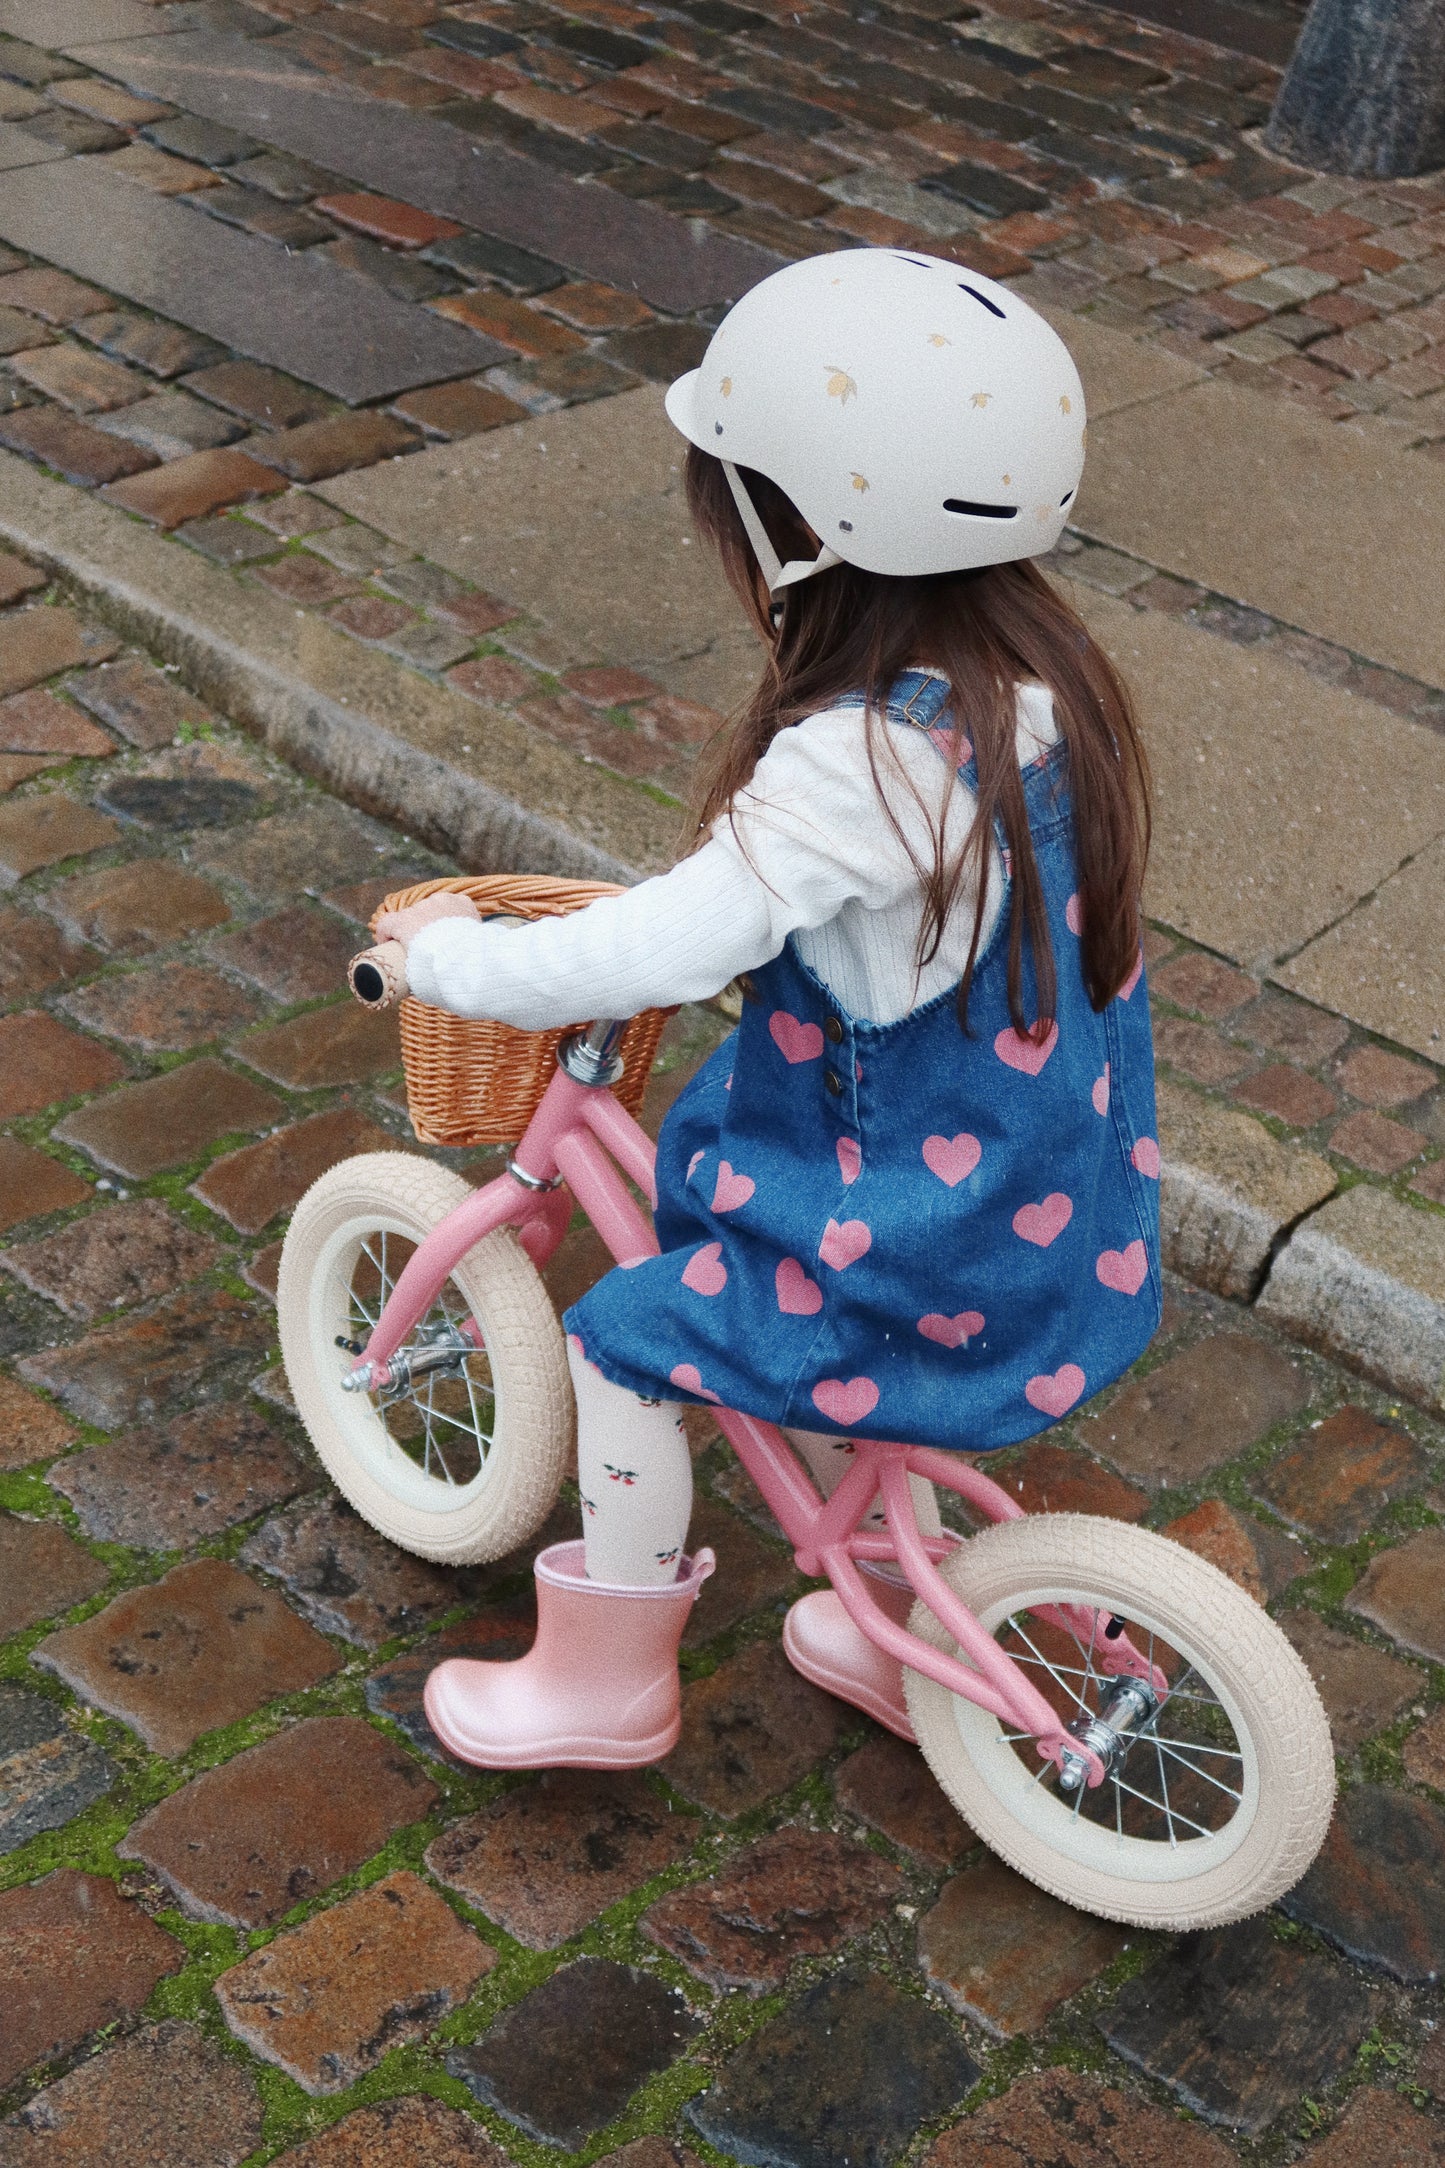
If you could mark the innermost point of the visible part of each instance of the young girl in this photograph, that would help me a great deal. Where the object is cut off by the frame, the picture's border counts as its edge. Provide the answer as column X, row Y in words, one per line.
column 914, row 1196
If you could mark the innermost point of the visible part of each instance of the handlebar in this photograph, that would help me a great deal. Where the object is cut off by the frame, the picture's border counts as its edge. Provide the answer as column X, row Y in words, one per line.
column 378, row 975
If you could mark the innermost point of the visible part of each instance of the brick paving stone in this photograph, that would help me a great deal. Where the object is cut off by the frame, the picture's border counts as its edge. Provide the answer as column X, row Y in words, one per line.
column 295, row 955
column 847, row 2072
column 371, row 618
column 308, row 581
column 48, row 1774
column 889, row 1787
column 53, row 296
column 610, row 687
column 226, row 541
column 84, row 382
column 146, row 705
column 119, row 1253
column 1198, row 1051
column 427, row 647
column 165, row 350
column 1197, row 1410
column 399, row 225
column 457, row 410
column 357, row 548
column 1381, row 1079
column 143, row 905
column 195, row 1344
column 41, row 1062
column 43, row 1571
column 18, row 578
column 1377, row 1888
column 30, row 1428
column 1379, row 2130
column 32, row 1183
column 415, row 2129
column 1238, row 2025
column 651, row 2153
column 1048, row 1478
column 201, row 1647
column 82, row 454
column 171, row 424
column 492, row 677
column 317, row 449
column 188, row 488
column 169, row 1119
column 351, row 1581
column 328, row 1999
column 173, row 803
column 1261, row 1559
column 275, row 1826
column 38, row 832
column 795, row 1894
column 36, row 642
column 753, row 1574
column 1363, row 1689
column 167, row 1487
column 750, row 1730
column 314, row 850
column 1290, row 1094
column 512, row 322
column 36, row 955
column 169, row 1008
column 498, row 1632
column 260, row 395
column 1376, row 1143
column 165, row 2098
column 1291, row 1028
column 568, row 2057
column 1005, row 1954
column 1424, row 1752
column 1341, row 1473
column 1430, row 1182
column 251, row 1186
column 1403, row 1593
column 543, row 1861
column 74, row 1956
column 1062, row 2119
column 36, row 722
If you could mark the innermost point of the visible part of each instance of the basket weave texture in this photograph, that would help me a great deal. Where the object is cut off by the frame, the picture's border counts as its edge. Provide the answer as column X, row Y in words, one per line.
column 480, row 1082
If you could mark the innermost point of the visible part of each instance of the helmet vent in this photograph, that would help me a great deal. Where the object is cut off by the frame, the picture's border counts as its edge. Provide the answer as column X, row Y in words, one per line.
column 982, row 299
column 1067, row 498
column 916, row 261
column 980, row 511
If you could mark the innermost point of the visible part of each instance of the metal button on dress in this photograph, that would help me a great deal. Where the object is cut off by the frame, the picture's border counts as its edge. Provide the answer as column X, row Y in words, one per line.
column 833, row 1083
column 833, row 1029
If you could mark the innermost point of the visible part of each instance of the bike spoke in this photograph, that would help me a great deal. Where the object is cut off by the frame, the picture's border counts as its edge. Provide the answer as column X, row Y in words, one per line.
column 1054, row 1672
column 1145, row 1800
column 1203, row 1774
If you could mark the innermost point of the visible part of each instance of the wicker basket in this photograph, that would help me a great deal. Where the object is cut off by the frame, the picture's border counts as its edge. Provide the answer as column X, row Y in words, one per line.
column 481, row 1083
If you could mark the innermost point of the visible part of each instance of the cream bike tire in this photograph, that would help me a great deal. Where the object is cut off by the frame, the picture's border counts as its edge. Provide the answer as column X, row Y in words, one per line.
column 465, row 1465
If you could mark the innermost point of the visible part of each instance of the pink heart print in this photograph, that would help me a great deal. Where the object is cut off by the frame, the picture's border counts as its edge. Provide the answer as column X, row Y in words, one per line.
column 951, row 1331
column 1134, row 977
column 952, row 1159
column 694, row 1163
column 1044, row 1223
column 1056, row 1395
column 846, row 1400
column 843, row 1245
column 795, row 1040
column 1145, row 1157
column 798, row 1296
column 688, row 1378
column 731, row 1190
column 1026, row 1054
column 1124, row 1270
column 705, row 1273
column 850, row 1159
column 1100, row 1092
column 943, row 739
column 1074, row 914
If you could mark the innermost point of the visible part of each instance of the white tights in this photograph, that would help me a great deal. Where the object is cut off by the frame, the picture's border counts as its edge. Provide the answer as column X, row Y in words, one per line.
column 635, row 1474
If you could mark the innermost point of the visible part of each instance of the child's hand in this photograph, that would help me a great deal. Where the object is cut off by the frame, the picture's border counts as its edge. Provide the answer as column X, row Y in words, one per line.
column 405, row 925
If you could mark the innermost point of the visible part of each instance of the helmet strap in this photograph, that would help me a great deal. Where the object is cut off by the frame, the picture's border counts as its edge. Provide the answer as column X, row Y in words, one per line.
column 775, row 573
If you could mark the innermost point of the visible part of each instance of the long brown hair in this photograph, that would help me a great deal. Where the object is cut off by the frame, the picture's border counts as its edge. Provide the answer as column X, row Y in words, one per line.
column 985, row 632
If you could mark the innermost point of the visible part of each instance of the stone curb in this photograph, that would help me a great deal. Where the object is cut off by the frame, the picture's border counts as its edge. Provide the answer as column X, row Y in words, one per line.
column 461, row 777
column 1364, row 1280
column 1229, row 1192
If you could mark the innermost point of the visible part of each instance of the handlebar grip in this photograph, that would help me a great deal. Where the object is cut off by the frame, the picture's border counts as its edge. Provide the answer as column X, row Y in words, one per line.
column 378, row 975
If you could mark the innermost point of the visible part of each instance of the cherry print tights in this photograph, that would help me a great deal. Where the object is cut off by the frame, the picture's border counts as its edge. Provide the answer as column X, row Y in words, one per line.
column 635, row 1474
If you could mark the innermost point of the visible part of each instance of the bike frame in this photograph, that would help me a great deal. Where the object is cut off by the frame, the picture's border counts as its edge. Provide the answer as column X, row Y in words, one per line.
column 581, row 1137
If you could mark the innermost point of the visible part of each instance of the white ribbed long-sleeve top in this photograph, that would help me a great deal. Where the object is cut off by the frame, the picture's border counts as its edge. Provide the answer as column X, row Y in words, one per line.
column 809, row 850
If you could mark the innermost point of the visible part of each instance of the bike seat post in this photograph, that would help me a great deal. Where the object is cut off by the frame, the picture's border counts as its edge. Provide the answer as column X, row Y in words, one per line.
column 591, row 1057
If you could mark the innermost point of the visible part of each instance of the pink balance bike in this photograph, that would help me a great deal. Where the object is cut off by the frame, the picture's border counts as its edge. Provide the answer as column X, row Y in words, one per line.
column 1110, row 1713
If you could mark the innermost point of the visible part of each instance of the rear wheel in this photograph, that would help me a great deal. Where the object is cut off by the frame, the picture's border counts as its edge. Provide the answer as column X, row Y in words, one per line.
column 1219, row 1797
column 464, row 1462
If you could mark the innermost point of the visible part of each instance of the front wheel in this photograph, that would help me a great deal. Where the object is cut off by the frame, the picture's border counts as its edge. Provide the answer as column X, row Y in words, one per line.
column 1219, row 1801
column 464, row 1463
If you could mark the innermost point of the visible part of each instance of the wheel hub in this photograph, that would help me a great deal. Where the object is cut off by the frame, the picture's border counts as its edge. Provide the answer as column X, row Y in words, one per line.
column 1129, row 1706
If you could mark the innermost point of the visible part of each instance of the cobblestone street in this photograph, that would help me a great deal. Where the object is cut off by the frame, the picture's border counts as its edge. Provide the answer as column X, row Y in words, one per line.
column 330, row 345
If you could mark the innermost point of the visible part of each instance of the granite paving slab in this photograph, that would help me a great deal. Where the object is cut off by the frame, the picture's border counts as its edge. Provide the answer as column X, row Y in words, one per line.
column 60, row 23
column 1377, row 1890
column 19, row 148
column 1384, row 965
column 1274, row 507
column 436, row 167
column 296, row 311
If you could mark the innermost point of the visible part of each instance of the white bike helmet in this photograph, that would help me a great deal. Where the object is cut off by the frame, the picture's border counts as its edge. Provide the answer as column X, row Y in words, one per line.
column 920, row 417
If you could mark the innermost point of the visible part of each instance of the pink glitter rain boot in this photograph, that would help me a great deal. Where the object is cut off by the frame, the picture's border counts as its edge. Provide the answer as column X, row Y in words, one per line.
column 821, row 1641
column 598, row 1689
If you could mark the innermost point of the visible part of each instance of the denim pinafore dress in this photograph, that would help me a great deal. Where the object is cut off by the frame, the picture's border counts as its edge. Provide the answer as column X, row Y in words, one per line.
column 895, row 1230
